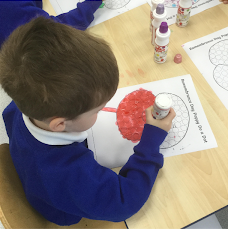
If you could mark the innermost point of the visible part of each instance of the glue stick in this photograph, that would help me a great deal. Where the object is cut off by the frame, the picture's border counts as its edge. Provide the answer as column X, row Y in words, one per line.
column 154, row 4
column 161, row 43
column 161, row 106
column 183, row 12
column 159, row 16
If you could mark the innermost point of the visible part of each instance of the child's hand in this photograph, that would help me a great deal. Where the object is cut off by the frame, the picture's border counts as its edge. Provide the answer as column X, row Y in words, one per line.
column 224, row 1
column 165, row 123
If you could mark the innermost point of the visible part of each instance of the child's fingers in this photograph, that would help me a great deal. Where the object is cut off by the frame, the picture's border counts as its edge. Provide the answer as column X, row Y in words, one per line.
column 149, row 109
column 166, row 123
column 171, row 115
column 148, row 112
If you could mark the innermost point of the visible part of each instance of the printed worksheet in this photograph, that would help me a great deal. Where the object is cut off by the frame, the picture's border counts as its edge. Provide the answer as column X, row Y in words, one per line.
column 119, row 125
column 197, row 7
column 108, row 10
column 210, row 55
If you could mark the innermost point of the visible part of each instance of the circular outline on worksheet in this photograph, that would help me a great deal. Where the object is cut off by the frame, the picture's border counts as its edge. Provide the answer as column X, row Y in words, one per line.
column 175, row 118
column 217, row 64
column 111, row 8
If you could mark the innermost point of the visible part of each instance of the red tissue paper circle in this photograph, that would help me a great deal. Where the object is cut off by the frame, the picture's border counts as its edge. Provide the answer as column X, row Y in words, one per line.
column 130, row 113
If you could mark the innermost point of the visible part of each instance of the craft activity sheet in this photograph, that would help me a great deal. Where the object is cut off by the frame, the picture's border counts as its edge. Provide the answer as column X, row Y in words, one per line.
column 197, row 7
column 108, row 10
column 210, row 55
column 112, row 142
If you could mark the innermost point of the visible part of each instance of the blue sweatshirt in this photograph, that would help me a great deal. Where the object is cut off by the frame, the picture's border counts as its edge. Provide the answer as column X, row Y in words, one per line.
column 16, row 13
column 65, row 183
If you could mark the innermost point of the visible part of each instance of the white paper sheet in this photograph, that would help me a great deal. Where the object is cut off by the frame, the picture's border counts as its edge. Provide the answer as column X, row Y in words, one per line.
column 190, row 131
column 198, row 6
column 210, row 55
column 112, row 8
column 4, row 102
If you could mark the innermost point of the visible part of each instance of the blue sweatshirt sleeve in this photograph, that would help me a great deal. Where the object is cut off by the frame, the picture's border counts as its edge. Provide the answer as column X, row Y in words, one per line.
column 82, row 16
column 16, row 13
column 96, row 192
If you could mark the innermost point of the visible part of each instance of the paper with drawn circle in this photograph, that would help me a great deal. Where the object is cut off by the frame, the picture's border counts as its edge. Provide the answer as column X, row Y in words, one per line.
column 180, row 122
column 190, row 130
column 116, row 4
column 218, row 53
column 197, row 7
column 210, row 55
column 109, row 8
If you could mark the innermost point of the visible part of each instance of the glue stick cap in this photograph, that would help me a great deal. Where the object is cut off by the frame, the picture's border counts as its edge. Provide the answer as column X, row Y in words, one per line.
column 160, row 9
column 163, row 27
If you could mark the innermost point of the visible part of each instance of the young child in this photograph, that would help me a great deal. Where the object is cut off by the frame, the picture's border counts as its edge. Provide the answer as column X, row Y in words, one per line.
column 16, row 13
column 59, row 78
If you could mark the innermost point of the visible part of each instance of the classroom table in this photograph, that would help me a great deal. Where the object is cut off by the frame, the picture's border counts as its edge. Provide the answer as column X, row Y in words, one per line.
column 190, row 186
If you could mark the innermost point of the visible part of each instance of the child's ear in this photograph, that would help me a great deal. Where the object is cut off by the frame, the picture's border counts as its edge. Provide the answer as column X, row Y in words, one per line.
column 57, row 124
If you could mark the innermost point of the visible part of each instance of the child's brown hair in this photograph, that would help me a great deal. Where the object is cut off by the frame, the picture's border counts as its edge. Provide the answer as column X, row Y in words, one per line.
column 54, row 70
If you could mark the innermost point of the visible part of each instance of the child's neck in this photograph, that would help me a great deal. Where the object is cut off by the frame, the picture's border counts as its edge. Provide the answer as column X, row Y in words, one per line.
column 40, row 124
